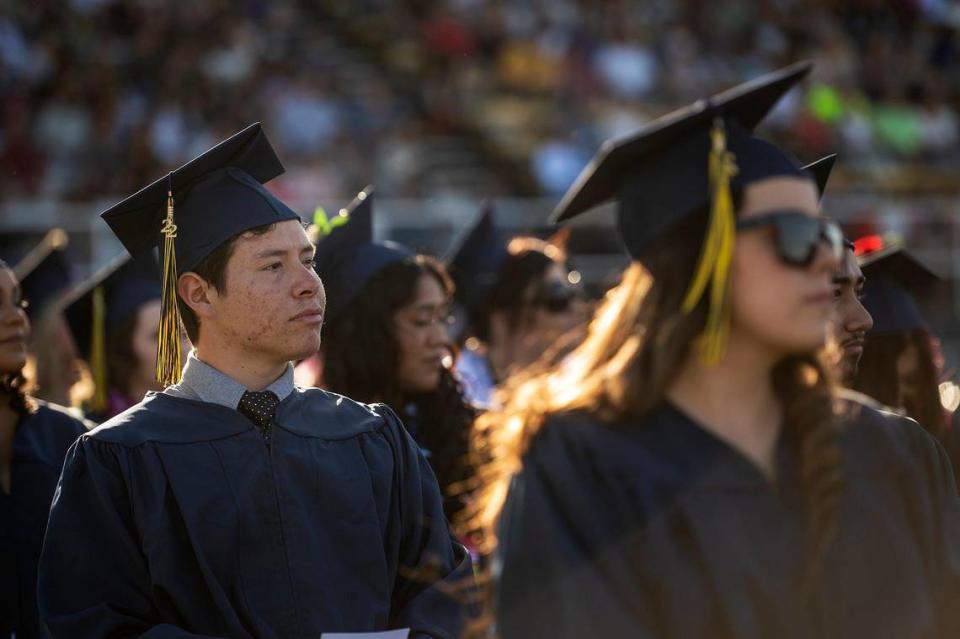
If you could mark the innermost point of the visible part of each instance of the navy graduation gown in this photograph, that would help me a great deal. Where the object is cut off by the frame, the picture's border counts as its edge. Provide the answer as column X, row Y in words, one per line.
column 660, row 530
column 39, row 446
column 177, row 519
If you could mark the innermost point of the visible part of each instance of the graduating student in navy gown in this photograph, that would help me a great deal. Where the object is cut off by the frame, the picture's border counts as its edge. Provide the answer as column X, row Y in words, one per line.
column 900, row 355
column 692, row 471
column 520, row 300
column 386, row 340
column 234, row 504
column 113, row 318
column 34, row 438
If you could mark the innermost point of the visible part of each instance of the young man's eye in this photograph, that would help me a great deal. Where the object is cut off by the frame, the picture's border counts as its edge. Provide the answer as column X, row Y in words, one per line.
column 308, row 262
column 275, row 266
column 837, row 293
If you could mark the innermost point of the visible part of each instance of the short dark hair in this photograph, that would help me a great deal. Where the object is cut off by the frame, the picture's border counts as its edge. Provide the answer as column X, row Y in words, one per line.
column 213, row 270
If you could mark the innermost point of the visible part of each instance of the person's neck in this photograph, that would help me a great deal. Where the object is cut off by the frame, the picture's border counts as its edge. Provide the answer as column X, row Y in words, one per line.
column 734, row 400
column 253, row 373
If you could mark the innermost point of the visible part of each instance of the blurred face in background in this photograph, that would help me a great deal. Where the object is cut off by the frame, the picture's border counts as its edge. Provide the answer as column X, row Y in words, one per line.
column 14, row 326
column 852, row 321
column 550, row 312
column 143, row 344
column 783, row 308
column 420, row 330
column 555, row 305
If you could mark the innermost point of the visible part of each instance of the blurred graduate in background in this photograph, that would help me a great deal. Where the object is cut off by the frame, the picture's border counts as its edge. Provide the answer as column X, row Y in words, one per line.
column 113, row 318
column 34, row 437
column 54, row 369
column 521, row 301
column 902, row 365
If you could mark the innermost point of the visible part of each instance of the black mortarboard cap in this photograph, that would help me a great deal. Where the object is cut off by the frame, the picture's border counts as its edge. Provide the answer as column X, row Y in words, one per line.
column 42, row 268
column 894, row 279
column 216, row 195
column 127, row 285
column 347, row 257
column 659, row 175
column 475, row 258
column 820, row 171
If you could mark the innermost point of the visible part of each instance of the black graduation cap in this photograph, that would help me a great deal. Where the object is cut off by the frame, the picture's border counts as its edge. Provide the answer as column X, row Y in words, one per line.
column 659, row 174
column 347, row 257
column 692, row 160
column 216, row 195
column 894, row 278
column 42, row 268
column 474, row 259
column 100, row 305
column 194, row 210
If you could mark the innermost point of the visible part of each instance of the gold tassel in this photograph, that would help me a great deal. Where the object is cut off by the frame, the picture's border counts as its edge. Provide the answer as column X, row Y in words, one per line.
column 713, row 266
column 98, row 352
column 168, row 348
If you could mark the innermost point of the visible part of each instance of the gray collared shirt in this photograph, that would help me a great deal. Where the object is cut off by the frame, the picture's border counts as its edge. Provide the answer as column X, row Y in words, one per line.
column 203, row 382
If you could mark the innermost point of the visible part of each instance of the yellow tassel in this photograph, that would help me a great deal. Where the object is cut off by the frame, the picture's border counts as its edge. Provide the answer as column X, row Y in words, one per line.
column 713, row 267
column 168, row 348
column 98, row 352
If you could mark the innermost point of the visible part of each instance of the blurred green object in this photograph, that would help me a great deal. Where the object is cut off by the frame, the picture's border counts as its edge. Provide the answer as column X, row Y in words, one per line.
column 825, row 103
column 897, row 126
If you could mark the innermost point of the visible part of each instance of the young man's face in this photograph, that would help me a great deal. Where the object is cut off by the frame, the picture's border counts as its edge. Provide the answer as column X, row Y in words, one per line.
column 273, row 302
column 852, row 319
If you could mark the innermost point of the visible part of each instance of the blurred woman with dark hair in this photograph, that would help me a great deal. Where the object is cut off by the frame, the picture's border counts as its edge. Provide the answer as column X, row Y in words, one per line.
column 522, row 300
column 34, row 437
column 692, row 470
column 900, row 366
column 113, row 318
column 385, row 340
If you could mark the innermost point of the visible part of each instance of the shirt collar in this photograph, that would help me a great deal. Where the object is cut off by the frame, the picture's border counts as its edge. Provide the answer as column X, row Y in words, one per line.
column 208, row 384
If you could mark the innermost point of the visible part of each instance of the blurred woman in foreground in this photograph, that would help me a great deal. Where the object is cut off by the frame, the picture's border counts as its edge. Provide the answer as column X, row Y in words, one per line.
column 692, row 471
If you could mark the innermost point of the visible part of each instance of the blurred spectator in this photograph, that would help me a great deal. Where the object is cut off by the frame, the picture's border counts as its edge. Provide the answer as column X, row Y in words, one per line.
column 99, row 95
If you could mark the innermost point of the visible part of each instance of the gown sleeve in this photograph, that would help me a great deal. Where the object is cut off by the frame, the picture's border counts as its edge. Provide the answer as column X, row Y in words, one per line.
column 93, row 579
column 563, row 567
column 434, row 577
column 946, row 544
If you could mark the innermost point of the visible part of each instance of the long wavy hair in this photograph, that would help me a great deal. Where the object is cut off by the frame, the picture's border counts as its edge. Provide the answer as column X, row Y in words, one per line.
column 637, row 343
column 879, row 378
column 13, row 386
column 361, row 358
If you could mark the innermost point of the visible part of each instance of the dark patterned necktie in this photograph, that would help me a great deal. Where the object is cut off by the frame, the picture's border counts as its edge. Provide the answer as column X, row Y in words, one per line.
column 259, row 407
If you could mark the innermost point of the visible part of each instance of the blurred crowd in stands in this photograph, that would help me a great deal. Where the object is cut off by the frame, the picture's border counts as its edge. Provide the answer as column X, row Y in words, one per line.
column 100, row 96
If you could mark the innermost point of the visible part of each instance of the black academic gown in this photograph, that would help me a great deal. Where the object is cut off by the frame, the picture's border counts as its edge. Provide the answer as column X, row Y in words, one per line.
column 178, row 519
column 660, row 530
column 39, row 446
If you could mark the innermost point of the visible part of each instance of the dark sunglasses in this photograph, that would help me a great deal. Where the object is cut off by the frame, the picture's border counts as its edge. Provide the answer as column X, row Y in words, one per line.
column 798, row 235
column 556, row 298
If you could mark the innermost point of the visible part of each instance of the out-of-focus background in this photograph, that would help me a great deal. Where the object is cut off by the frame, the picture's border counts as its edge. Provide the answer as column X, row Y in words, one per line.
column 443, row 103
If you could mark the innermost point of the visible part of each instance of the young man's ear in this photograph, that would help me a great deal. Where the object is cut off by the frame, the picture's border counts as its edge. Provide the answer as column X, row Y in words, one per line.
column 195, row 292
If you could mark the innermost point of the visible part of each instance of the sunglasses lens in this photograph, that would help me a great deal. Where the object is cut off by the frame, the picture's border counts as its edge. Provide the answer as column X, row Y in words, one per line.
column 797, row 238
column 557, row 298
